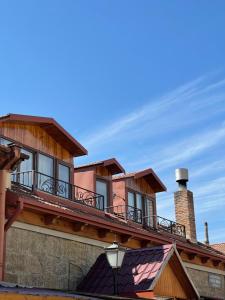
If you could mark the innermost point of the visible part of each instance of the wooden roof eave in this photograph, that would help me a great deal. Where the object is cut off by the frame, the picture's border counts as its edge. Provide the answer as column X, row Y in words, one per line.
column 53, row 128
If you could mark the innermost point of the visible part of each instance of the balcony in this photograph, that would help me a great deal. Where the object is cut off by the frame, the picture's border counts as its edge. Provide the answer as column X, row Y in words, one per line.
column 33, row 180
column 163, row 224
column 153, row 222
column 126, row 212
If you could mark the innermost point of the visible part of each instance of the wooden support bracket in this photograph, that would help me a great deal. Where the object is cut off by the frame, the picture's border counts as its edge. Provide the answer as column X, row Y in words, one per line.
column 102, row 233
column 50, row 219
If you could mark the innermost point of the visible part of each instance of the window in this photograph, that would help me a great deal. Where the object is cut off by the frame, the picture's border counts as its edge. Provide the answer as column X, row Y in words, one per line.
column 135, row 206
column 4, row 141
column 102, row 189
column 25, row 169
column 139, row 206
column 46, row 173
column 149, row 212
column 63, row 181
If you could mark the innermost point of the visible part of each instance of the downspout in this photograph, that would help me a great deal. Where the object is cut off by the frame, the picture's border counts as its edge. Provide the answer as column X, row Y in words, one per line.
column 4, row 184
column 11, row 157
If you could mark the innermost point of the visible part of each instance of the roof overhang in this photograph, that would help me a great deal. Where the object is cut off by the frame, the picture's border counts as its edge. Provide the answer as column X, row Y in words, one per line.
column 111, row 164
column 149, row 175
column 153, row 180
column 56, row 131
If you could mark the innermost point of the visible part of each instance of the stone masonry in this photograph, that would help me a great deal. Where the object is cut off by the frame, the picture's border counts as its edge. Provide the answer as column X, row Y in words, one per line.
column 185, row 214
column 41, row 260
column 201, row 281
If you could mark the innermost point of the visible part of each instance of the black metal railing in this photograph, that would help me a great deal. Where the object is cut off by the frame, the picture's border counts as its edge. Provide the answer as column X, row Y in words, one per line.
column 164, row 224
column 38, row 181
column 126, row 212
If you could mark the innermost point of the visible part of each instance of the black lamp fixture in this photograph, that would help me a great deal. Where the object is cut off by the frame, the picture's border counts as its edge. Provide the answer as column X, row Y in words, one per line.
column 115, row 255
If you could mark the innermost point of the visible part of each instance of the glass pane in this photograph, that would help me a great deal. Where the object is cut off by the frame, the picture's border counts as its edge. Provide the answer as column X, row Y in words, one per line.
column 139, row 206
column 131, row 199
column 101, row 188
column 23, row 172
column 26, row 168
column 46, row 181
column 130, row 209
column 4, row 141
column 63, row 182
column 149, row 212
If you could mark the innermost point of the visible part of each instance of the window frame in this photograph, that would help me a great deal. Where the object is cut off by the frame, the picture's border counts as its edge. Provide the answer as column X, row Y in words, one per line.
column 144, row 197
column 107, row 181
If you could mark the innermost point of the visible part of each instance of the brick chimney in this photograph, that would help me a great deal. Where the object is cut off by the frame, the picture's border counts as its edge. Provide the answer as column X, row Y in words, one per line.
column 184, row 205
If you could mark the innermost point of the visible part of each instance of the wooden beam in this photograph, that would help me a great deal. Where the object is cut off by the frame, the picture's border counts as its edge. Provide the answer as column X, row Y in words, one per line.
column 79, row 226
column 124, row 238
column 216, row 263
column 191, row 256
column 143, row 243
column 50, row 219
column 204, row 259
column 102, row 233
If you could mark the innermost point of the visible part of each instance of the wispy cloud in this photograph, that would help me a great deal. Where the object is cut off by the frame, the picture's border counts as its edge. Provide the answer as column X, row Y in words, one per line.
column 188, row 148
column 150, row 118
column 151, row 110
column 181, row 128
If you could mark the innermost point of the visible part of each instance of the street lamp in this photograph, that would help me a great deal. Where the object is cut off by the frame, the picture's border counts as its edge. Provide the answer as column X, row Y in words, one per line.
column 115, row 255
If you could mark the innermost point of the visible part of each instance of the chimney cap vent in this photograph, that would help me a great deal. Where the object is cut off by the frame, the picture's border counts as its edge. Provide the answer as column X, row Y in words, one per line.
column 181, row 174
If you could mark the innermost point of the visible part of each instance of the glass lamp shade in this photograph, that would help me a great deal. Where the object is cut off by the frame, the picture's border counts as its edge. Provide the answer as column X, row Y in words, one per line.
column 115, row 255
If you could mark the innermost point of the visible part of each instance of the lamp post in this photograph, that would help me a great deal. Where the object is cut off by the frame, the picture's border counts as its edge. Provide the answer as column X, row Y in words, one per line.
column 115, row 255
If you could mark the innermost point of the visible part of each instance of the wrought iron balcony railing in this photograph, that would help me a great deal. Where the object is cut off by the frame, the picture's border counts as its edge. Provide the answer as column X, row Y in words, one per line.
column 126, row 212
column 164, row 224
column 38, row 181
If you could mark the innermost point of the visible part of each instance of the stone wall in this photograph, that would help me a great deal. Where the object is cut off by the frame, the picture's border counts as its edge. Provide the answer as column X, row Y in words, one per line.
column 201, row 281
column 42, row 260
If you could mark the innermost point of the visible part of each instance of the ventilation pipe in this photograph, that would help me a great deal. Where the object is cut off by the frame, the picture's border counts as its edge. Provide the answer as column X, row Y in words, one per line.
column 206, row 234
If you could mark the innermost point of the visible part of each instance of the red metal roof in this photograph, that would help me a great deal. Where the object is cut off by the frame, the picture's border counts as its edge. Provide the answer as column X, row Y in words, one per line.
column 139, row 270
column 52, row 128
column 220, row 247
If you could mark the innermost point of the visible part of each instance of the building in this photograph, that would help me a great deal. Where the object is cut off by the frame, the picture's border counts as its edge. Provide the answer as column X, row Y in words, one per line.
column 220, row 247
column 55, row 220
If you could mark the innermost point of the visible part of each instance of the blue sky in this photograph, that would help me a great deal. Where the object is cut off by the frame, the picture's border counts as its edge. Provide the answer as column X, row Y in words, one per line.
column 142, row 81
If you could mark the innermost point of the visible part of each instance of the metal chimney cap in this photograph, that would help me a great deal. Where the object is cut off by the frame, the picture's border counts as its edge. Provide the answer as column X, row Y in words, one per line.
column 181, row 174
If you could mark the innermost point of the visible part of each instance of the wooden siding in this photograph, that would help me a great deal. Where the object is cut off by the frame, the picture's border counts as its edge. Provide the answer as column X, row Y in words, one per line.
column 35, row 137
column 140, row 185
column 168, row 285
column 103, row 172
